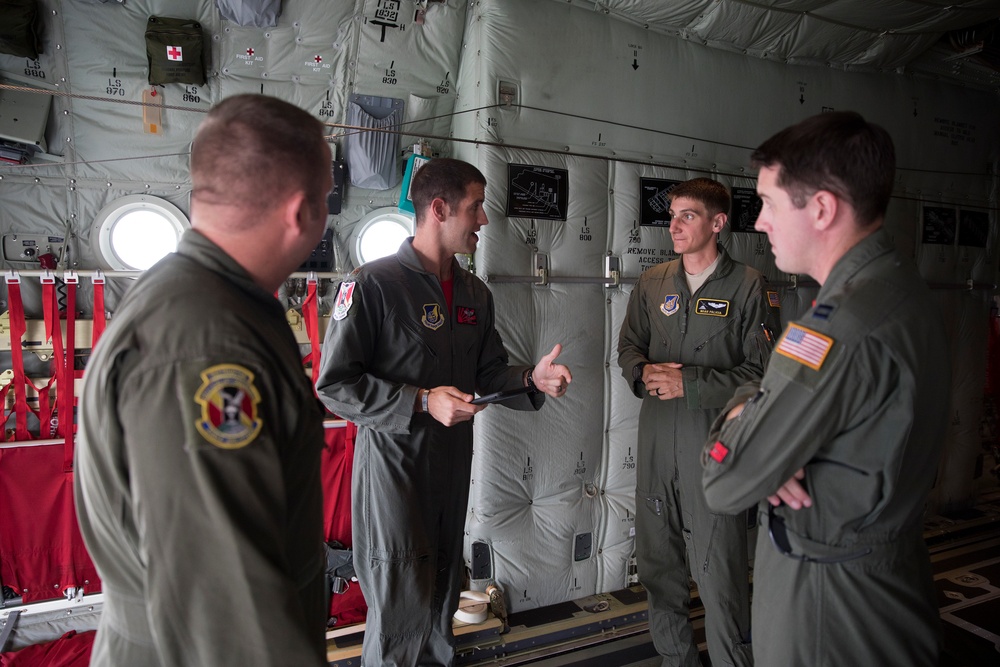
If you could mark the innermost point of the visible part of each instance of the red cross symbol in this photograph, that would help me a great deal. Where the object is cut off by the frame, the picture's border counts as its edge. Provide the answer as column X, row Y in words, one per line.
column 318, row 59
column 173, row 53
column 249, row 52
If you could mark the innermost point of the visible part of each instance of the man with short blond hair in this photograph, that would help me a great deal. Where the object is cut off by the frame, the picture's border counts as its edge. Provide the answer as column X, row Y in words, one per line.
column 696, row 328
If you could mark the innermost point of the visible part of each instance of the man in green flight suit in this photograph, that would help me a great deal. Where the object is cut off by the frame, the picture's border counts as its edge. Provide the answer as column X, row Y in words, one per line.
column 844, row 432
column 197, row 467
column 696, row 329
column 412, row 336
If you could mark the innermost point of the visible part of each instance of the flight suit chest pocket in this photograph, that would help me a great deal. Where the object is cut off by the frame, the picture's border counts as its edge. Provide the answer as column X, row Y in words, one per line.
column 417, row 332
column 466, row 330
column 717, row 332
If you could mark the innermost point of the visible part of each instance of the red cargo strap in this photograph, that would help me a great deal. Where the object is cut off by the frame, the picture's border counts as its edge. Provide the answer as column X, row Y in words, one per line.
column 100, row 320
column 65, row 387
column 310, row 313
column 17, row 328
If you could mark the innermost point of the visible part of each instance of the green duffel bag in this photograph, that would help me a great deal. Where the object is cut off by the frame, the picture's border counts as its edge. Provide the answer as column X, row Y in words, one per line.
column 174, row 51
column 20, row 28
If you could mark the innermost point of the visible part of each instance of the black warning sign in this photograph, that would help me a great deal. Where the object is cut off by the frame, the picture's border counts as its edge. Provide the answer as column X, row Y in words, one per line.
column 940, row 225
column 746, row 208
column 537, row 192
column 654, row 201
column 973, row 228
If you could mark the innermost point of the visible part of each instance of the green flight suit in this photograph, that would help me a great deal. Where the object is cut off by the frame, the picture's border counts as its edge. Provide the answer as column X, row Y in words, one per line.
column 390, row 335
column 721, row 336
column 197, row 474
column 856, row 393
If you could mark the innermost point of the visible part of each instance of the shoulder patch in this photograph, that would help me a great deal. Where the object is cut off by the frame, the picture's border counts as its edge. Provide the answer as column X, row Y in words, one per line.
column 671, row 304
column 773, row 299
column 345, row 298
column 228, row 400
column 712, row 307
column 804, row 345
column 433, row 317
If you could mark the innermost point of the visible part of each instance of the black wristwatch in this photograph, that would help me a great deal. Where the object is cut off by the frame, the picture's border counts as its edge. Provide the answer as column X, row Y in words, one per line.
column 637, row 372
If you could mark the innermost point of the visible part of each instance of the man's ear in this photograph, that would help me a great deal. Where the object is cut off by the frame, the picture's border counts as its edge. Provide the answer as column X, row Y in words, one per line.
column 295, row 211
column 439, row 209
column 719, row 221
column 825, row 208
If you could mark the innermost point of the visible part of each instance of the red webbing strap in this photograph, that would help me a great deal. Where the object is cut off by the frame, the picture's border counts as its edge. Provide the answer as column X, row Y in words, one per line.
column 50, row 313
column 17, row 329
column 310, row 312
column 65, row 388
column 100, row 319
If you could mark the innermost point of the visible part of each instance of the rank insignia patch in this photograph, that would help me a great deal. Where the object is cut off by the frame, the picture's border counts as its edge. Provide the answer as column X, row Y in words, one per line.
column 228, row 401
column 345, row 297
column 713, row 307
column 719, row 451
column 466, row 315
column 671, row 304
column 432, row 319
column 773, row 300
column 822, row 311
column 804, row 346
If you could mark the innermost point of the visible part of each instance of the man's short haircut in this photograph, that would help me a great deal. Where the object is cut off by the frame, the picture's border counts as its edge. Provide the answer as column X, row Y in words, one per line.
column 443, row 178
column 714, row 196
column 253, row 150
column 839, row 152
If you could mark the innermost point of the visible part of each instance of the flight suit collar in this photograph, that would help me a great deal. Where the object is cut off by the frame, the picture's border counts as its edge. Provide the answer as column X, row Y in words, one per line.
column 676, row 271
column 407, row 256
column 854, row 260
column 197, row 247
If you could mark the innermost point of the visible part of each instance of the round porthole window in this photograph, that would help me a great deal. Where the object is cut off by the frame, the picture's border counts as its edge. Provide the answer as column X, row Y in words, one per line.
column 135, row 232
column 379, row 234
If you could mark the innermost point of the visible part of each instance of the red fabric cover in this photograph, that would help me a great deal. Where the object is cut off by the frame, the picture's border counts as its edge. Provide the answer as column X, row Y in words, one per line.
column 338, row 461
column 41, row 550
column 70, row 650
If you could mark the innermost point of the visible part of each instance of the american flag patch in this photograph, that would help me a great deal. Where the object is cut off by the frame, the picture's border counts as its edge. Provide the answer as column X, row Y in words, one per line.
column 804, row 346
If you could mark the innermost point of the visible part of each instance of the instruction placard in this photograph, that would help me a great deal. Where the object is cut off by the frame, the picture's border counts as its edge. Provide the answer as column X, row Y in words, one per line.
column 654, row 201
column 973, row 228
column 939, row 225
column 746, row 208
column 537, row 192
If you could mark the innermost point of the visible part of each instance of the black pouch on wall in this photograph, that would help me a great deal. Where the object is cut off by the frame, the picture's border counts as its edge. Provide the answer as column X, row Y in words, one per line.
column 20, row 28
column 174, row 51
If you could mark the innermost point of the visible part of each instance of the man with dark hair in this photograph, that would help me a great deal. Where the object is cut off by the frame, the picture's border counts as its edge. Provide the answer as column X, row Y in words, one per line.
column 696, row 328
column 844, row 432
column 411, row 338
column 197, row 467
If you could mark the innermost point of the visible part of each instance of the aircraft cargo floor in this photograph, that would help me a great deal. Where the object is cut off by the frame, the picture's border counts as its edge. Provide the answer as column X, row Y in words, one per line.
column 610, row 630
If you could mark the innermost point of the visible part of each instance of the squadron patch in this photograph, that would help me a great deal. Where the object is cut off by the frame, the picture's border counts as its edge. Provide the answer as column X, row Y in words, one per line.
column 466, row 315
column 804, row 346
column 228, row 400
column 345, row 298
column 713, row 307
column 773, row 300
column 671, row 304
column 432, row 319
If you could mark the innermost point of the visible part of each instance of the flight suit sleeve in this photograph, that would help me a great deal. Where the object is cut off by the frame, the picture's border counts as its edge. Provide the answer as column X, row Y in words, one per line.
column 633, row 337
column 345, row 384
column 210, row 498
column 795, row 413
column 707, row 387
